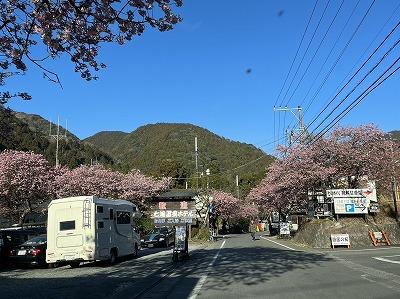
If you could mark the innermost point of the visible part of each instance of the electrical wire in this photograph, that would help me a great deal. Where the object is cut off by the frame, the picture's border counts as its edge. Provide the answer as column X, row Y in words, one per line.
column 341, row 54
column 327, row 57
column 354, row 75
column 316, row 51
column 305, row 53
column 297, row 52
column 353, row 104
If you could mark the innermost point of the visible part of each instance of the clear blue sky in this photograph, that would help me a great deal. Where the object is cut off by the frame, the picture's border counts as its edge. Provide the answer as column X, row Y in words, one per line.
column 197, row 72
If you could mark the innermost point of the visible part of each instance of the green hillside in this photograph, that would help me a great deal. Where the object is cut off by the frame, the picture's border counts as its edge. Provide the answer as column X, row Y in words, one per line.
column 21, row 131
column 168, row 149
column 106, row 141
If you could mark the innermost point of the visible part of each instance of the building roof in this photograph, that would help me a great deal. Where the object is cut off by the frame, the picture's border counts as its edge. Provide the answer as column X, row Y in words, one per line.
column 177, row 194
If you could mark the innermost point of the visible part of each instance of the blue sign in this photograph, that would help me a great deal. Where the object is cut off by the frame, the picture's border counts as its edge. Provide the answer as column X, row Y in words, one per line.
column 350, row 208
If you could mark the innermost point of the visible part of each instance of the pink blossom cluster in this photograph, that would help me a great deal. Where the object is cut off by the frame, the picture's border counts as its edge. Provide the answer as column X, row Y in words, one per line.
column 33, row 31
column 349, row 152
column 27, row 180
column 228, row 207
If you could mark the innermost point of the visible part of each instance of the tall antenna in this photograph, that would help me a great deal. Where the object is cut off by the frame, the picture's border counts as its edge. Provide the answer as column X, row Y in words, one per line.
column 58, row 137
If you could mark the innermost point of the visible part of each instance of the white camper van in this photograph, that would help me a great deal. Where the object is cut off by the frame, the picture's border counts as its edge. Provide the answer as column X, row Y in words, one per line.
column 87, row 228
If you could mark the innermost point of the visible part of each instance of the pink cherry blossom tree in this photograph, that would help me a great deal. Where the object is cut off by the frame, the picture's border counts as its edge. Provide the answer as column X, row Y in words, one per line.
column 25, row 183
column 138, row 187
column 33, row 32
column 99, row 181
column 351, row 153
column 89, row 180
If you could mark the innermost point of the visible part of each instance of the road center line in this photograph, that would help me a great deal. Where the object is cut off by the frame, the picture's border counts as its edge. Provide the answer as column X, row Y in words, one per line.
column 278, row 243
column 203, row 278
column 386, row 260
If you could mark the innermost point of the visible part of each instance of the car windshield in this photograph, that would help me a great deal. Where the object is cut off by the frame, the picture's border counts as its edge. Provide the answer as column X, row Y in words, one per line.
column 36, row 241
column 159, row 231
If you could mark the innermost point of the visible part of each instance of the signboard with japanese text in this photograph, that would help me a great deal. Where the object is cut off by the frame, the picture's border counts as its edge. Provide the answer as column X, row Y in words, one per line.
column 284, row 228
column 368, row 193
column 180, row 238
column 173, row 213
column 340, row 240
column 373, row 207
column 351, row 205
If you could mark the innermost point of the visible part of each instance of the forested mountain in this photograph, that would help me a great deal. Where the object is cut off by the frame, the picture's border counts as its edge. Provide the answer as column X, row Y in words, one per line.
column 27, row 132
column 168, row 149
column 157, row 149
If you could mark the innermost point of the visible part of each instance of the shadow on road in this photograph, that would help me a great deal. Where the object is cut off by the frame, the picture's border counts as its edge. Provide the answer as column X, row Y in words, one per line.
column 248, row 265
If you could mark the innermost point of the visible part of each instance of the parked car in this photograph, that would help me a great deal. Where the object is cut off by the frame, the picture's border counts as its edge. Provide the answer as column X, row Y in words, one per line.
column 12, row 238
column 31, row 253
column 159, row 237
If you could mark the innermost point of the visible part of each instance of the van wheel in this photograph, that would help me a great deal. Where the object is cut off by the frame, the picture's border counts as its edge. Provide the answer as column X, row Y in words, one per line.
column 113, row 257
column 74, row 264
column 135, row 252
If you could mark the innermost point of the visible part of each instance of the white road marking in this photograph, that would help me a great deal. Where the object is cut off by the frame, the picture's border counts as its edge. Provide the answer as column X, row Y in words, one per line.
column 387, row 260
column 360, row 250
column 203, row 279
column 287, row 247
column 391, row 255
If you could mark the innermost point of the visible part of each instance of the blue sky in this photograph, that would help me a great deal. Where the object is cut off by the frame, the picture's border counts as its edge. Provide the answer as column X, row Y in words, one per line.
column 197, row 72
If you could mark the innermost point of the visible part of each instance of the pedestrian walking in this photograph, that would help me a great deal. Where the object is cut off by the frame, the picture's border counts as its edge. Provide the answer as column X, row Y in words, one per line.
column 252, row 230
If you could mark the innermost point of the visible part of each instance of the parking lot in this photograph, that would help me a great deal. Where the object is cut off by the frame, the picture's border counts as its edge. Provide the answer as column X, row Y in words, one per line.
column 95, row 279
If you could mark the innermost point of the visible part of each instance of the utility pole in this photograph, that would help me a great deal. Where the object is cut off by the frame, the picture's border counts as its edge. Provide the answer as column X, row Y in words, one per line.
column 197, row 165
column 58, row 137
column 237, row 186
column 298, row 114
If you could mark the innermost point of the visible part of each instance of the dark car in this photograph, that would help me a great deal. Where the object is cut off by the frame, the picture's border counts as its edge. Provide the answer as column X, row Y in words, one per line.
column 159, row 237
column 13, row 237
column 31, row 253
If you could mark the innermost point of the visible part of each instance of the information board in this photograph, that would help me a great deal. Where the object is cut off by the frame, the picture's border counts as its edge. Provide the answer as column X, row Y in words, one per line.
column 340, row 240
column 284, row 228
column 351, row 205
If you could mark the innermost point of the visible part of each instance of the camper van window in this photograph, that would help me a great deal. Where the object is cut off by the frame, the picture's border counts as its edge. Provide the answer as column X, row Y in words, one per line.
column 123, row 217
column 111, row 214
column 100, row 224
column 67, row 225
column 99, row 209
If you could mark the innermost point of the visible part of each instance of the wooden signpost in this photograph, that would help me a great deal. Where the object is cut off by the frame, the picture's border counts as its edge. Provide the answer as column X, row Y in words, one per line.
column 379, row 238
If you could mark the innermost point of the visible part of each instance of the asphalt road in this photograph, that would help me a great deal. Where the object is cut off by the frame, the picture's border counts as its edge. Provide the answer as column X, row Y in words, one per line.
column 234, row 267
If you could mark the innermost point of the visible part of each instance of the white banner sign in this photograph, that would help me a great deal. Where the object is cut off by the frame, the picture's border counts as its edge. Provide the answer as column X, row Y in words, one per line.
column 340, row 239
column 368, row 193
column 173, row 214
column 284, row 228
column 351, row 205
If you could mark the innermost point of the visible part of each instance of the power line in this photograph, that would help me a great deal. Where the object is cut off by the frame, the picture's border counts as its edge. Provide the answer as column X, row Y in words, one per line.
column 365, row 76
column 297, row 52
column 316, row 51
column 371, row 43
column 328, row 56
column 235, row 168
column 362, row 96
column 305, row 53
column 355, row 74
column 341, row 54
